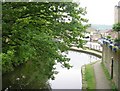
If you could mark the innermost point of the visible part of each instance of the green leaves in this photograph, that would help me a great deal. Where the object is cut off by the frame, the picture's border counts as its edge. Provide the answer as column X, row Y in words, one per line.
column 40, row 32
column 7, row 61
column 116, row 27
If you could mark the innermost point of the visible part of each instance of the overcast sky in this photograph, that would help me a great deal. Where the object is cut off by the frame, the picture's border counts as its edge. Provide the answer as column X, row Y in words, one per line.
column 100, row 11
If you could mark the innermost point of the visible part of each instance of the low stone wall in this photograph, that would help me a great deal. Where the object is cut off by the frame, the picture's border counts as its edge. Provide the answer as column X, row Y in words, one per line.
column 107, row 55
column 84, row 83
column 92, row 52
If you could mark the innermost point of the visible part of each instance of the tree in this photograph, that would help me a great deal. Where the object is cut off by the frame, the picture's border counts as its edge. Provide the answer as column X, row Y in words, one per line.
column 39, row 32
column 116, row 27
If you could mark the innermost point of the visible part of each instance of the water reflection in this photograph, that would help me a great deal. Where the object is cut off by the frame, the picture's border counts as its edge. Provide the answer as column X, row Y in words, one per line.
column 72, row 79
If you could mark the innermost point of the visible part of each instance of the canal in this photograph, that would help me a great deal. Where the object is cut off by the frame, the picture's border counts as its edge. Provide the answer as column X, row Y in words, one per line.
column 71, row 78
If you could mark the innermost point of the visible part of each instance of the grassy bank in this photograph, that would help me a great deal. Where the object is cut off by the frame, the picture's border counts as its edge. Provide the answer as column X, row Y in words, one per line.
column 89, row 77
column 108, row 77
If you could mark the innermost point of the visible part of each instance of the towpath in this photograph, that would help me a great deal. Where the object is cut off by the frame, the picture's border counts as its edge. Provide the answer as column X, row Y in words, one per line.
column 101, row 80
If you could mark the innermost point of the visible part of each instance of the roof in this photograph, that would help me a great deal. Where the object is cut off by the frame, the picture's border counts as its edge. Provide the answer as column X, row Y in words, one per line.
column 103, row 31
column 109, row 31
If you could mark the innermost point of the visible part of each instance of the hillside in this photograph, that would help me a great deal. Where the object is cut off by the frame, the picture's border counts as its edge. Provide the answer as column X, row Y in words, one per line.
column 101, row 27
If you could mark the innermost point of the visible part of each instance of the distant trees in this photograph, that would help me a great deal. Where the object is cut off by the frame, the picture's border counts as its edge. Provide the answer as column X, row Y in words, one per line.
column 40, row 32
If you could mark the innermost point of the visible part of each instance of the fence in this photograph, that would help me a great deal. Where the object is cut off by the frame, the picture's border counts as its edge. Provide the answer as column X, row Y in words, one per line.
column 94, row 46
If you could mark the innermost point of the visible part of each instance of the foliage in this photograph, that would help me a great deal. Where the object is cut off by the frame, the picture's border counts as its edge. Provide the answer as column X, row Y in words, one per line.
column 40, row 32
column 116, row 27
column 108, row 37
column 117, row 40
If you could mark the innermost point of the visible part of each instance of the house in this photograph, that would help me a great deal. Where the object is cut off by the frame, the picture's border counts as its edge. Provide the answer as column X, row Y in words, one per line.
column 112, row 34
column 93, row 34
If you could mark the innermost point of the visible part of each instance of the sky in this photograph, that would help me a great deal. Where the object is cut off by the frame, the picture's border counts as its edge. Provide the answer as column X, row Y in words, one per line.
column 100, row 11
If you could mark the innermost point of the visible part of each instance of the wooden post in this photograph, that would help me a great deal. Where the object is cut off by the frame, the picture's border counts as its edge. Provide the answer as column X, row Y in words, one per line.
column 118, row 34
column 112, row 68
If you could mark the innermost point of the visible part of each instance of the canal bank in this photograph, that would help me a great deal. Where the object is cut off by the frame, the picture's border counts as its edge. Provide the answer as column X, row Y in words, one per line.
column 102, row 81
column 65, row 80
column 98, row 79
column 87, row 51
column 72, row 78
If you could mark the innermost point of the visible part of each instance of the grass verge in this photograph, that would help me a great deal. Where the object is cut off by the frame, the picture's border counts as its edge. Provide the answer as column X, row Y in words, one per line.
column 113, row 87
column 90, row 77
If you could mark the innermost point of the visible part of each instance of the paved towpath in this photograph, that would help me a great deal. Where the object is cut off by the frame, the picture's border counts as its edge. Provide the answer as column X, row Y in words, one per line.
column 101, row 80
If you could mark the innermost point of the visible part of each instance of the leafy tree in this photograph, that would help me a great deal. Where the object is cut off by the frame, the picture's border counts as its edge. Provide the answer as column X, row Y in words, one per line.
column 39, row 32
column 116, row 27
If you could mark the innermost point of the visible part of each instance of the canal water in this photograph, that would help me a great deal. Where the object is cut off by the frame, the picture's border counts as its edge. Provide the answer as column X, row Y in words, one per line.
column 71, row 78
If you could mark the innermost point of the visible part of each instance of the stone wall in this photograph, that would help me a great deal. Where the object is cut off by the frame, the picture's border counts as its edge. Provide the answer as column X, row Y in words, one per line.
column 108, row 53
